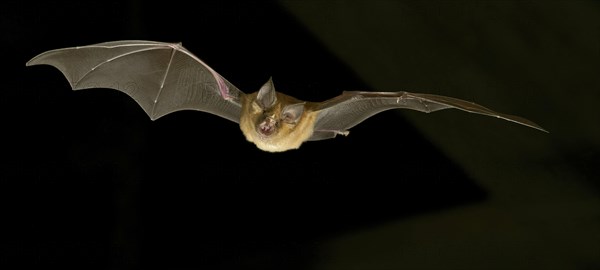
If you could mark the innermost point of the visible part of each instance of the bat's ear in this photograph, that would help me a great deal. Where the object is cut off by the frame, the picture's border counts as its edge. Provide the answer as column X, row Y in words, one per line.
column 266, row 97
column 292, row 113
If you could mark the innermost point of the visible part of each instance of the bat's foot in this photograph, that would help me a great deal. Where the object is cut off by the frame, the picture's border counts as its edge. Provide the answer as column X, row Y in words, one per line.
column 345, row 132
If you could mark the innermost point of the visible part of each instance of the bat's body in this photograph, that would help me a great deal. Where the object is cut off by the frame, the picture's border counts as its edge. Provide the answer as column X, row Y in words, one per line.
column 165, row 77
column 285, row 125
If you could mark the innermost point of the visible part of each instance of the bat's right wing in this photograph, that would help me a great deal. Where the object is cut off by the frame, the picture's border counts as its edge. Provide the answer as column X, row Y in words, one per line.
column 160, row 77
column 337, row 115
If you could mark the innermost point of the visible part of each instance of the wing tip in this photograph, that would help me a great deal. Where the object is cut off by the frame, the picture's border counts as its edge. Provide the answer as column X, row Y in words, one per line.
column 33, row 61
column 521, row 121
column 536, row 126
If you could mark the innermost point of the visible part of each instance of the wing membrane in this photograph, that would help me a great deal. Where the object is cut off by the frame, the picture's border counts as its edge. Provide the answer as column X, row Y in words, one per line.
column 160, row 77
column 341, row 113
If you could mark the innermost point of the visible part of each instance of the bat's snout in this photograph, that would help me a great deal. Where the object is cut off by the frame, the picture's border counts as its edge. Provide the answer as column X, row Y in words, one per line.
column 267, row 127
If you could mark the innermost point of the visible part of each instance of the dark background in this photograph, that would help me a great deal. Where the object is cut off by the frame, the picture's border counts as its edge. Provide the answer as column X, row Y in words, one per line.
column 89, row 181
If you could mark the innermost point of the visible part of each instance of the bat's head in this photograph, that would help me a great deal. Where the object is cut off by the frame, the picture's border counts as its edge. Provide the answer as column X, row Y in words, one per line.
column 273, row 121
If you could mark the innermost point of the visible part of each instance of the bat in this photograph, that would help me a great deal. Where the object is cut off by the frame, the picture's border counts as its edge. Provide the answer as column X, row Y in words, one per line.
column 165, row 77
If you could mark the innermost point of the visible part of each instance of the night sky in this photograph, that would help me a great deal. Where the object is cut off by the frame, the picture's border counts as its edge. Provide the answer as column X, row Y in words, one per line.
column 88, row 180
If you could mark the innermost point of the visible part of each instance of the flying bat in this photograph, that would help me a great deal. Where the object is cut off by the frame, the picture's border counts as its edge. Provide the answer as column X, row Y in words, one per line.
column 165, row 77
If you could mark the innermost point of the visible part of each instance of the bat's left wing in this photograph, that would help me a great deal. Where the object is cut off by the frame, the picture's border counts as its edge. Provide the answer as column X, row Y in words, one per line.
column 337, row 115
column 160, row 77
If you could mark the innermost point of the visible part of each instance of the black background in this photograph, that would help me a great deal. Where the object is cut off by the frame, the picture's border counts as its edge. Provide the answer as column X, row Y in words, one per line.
column 89, row 181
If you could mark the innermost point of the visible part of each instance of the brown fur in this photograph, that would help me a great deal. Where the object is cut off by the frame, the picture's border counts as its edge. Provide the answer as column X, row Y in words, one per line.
column 287, row 136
